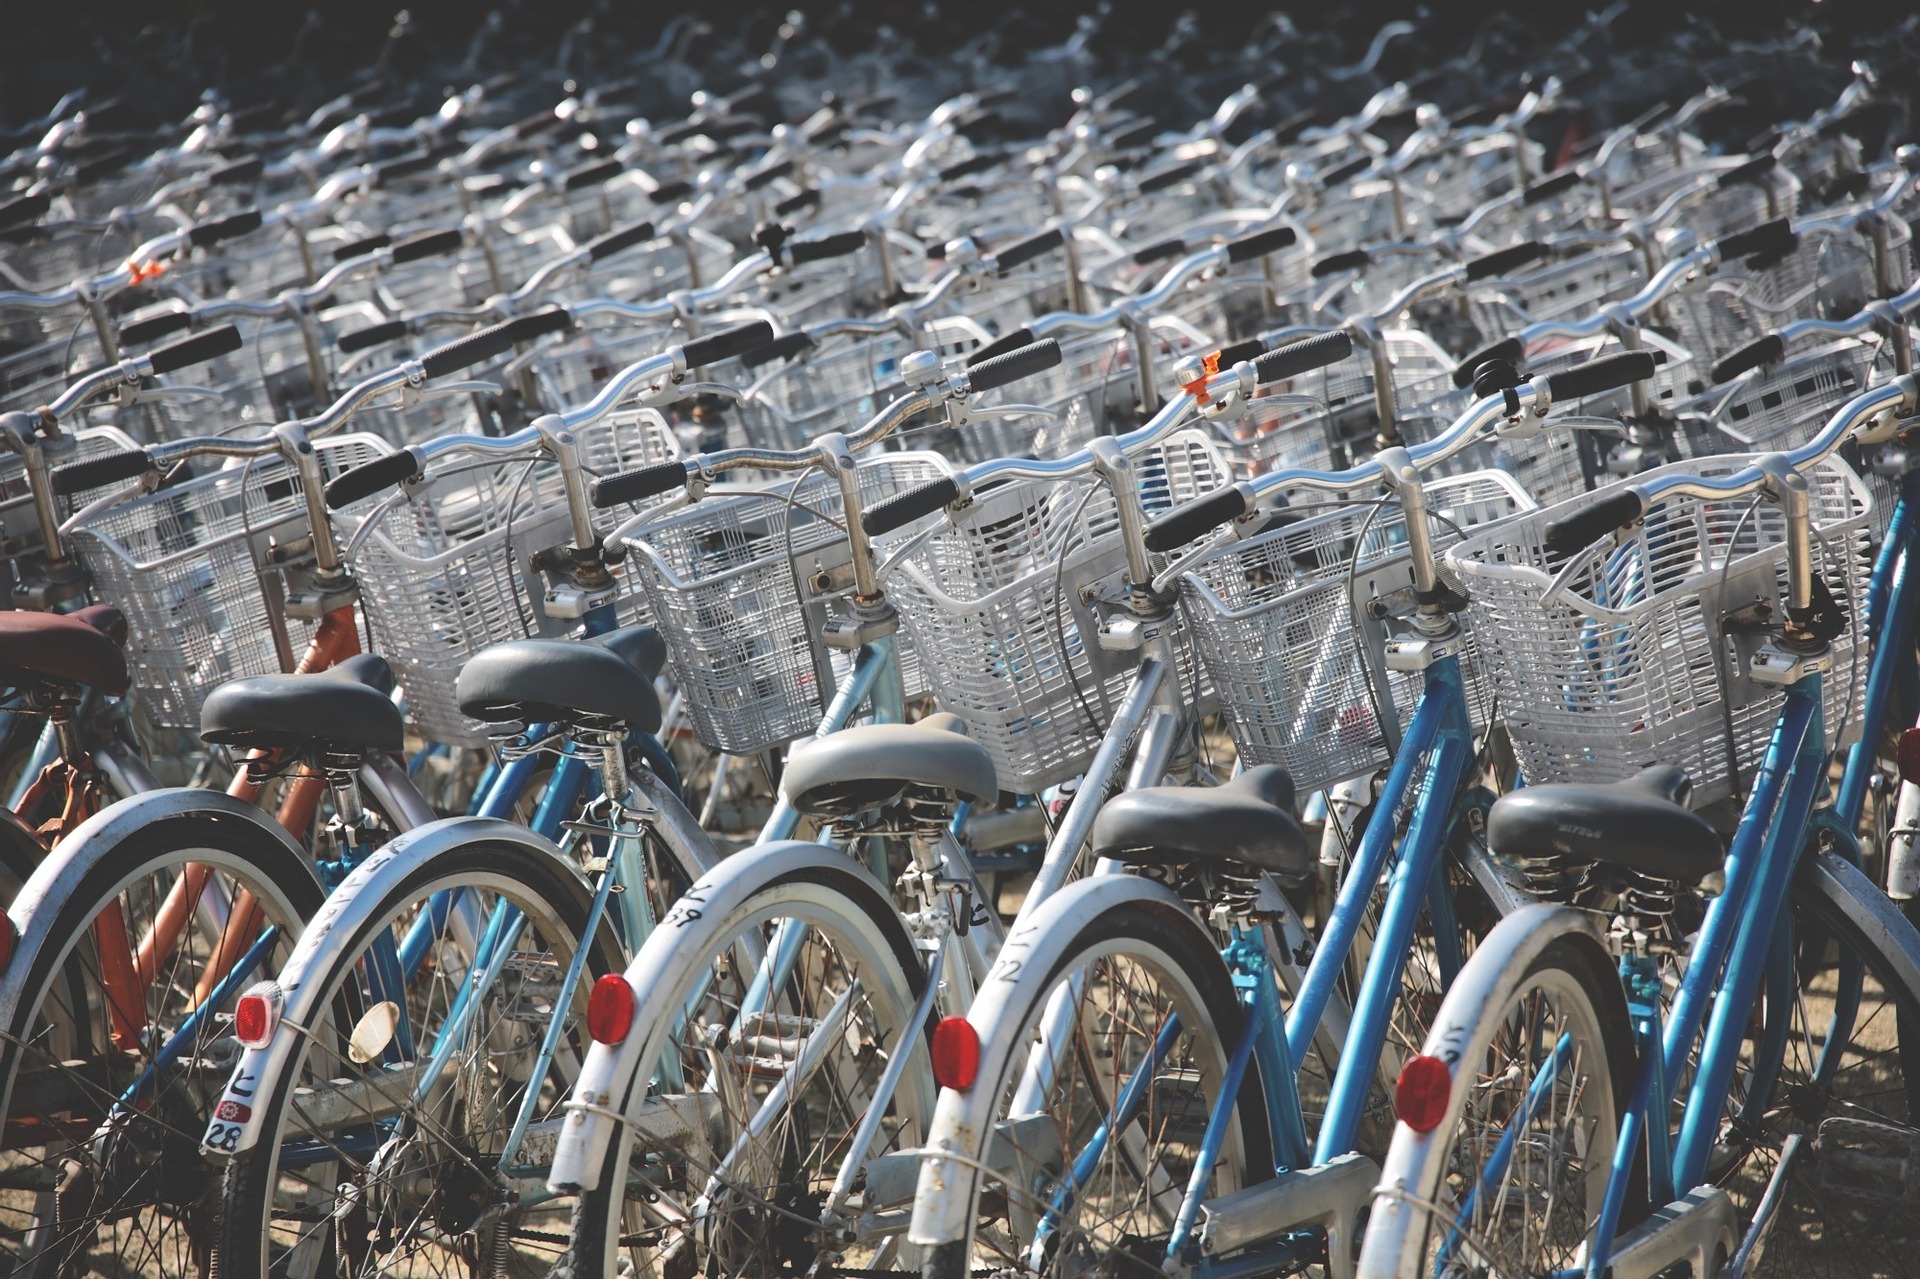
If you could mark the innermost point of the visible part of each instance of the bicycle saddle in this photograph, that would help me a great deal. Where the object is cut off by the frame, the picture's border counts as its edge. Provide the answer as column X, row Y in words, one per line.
column 65, row 648
column 543, row 680
column 1641, row 824
column 1247, row 820
column 348, row 707
column 872, row 765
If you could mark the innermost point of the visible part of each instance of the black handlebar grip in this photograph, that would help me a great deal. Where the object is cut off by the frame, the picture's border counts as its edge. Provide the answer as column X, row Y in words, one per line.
column 1340, row 173
column 1770, row 349
column 592, row 175
column 1769, row 237
column 197, row 349
column 671, row 192
column 903, row 509
column 1194, row 519
column 1512, row 350
column 1846, row 187
column 1588, row 525
column 634, row 486
column 724, row 346
column 373, row 335
column 616, row 241
column 760, row 177
column 154, row 327
column 995, row 96
column 787, row 344
column 361, row 247
column 25, row 208
column 1159, row 252
column 1553, row 184
column 979, row 162
column 226, row 228
column 1261, row 243
column 403, row 167
column 428, row 244
column 1351, row 260
column 555, row 319
column 1165, row 178
column 998, row 371
column 371, row 477
column 1501, row 261
column 1028, row 249
column 463, row 353
column 236, row 172
column 95, row 471
column 1752, row 171
column 1596, row 376
column 795, row 203
column 1001, row 345
column 801, row 252
column 1228, row 356
column 1302, row 356
column 1133, row 135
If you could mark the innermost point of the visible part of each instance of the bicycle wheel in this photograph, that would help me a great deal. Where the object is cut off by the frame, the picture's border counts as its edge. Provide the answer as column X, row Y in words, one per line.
column 89, row 1183
column 1836, row 1138
column 360, row 1167
column 787, row 1078
column 1140, row 998
column 1510, row 1180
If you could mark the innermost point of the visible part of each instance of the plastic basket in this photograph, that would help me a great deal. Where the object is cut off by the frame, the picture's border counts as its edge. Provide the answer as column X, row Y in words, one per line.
column 189, row 567
column 1638, row 663
column 1001, row 602
column 1277, row 621
column 741, row 583
column 446, row 569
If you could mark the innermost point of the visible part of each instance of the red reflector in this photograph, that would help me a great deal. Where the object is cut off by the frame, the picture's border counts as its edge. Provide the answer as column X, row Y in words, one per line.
column 610, row 1009
column 9, row 938
column 1420, row 1095
column 956, row 1053
column 253, row 1021
column 1908, row 755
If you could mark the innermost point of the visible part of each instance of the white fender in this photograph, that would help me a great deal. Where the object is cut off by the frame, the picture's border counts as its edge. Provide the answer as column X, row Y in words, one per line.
column 699, row 920
column 347, row 910
column 1029, row 960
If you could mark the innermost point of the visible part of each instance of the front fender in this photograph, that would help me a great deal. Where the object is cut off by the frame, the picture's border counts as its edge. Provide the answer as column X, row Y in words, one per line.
column 347, row 911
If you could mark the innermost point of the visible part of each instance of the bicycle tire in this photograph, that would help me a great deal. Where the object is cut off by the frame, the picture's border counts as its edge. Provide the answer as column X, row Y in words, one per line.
column 1572, row 979
column 1174, row 946
column 243, row 856
column 863, row 926
column 556, row 902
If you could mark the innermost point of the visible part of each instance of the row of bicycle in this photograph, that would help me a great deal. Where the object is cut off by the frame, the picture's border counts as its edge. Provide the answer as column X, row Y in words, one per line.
column 1263, row 506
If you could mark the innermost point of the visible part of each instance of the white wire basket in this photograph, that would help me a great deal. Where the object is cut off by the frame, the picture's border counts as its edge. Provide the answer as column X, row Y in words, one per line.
column 1280, row 623
column 1567, row 289
column 446, row 568
column 192, row 568
column 1782, row 406
column 1642, row 659
column 1327, row 418
column 741, row 584
column 1002, row 602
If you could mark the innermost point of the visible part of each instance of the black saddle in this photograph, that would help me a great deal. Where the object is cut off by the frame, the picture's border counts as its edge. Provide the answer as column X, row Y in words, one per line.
column 1642, row 824
column 608, row 678
column 1248, row 820
column 348, row 708
column 870, row 766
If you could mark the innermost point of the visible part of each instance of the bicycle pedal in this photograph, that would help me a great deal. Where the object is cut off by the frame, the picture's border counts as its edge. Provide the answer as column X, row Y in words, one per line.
column 1867, row 1164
